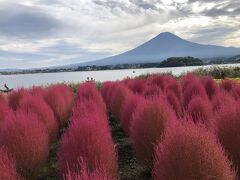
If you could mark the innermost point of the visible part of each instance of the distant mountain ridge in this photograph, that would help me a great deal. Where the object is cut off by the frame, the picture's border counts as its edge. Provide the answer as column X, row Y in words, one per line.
column 163, row 46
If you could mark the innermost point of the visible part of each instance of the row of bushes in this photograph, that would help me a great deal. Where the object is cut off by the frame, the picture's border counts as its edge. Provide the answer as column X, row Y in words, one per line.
column 87, row 150
column 180, row 129
column 29, row 123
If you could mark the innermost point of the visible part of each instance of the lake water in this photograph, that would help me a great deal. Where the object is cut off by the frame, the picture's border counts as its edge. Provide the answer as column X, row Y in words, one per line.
column 28, row 80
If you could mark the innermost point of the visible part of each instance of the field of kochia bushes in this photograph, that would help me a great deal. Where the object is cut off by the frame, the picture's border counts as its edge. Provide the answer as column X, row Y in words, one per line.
column 180, row 129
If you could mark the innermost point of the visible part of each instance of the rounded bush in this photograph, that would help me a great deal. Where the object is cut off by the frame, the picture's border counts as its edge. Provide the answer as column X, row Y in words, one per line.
column 3, row 99
column 157, row 80
column 127, row 111
column 136, row 85
column 210, row 86
column 149, row 121
column 174, row 103
column 4, row 111
column 27, row 140
column 36, row 104
column 151, row 90
column 190, row 152
column 227, row 85
column 221, row 98
column 88, row 91
column 88, row 140
column 200, row 110
column 118, row 97
column 193, row 89
column 15, row 97
column 60, row 99
column 227, row 127
column 84, row 174
column 7, row 166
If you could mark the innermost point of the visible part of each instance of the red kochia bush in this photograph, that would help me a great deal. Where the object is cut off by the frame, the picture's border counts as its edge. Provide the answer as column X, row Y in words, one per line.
column 157, row 80
column 193, row 89
column 60, row 98
column 190, row 152
column 7, row 166
column 36, row 104
column 200, row 110
column 227, row 127
column 84, row 174
column 136, row 85
column 210, row 86
column 87, row 140
column 150, row 119
column 127, row 110
column 3, row 99
column 118, row 97
column 84, row 108
column 227, row 85
column 4, row 110
column 15, row 97
column 151, row 90
column 221, row 98
column 174, row 102
column 88, row 91
column 26, row 139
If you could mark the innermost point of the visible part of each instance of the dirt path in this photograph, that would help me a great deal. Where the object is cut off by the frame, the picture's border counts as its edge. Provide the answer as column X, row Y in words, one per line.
column 129, row 168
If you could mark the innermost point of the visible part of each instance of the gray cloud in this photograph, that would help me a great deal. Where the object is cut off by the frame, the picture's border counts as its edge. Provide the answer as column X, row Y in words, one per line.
column 26, row 22
column 56, row 32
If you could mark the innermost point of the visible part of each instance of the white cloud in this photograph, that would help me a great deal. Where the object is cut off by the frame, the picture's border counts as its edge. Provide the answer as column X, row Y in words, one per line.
column 95, row 28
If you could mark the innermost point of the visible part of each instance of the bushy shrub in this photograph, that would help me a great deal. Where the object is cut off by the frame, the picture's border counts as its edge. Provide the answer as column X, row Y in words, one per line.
column 60, row 99
column 36, row 91
column 187, row 79
column 88, row 140
column 118, row 97
column 174, row 103
column 3, row 99
column 82, row 109
column 193, row 89
column 200, row 110
column 149, row 121
column 127, row 111
column 172, row 85
column 7, row 166
column 88, row 91
column 157, row 80
column 190, row 152
column 107, row 91
column 36, row 104
column 4, row 111
column 221, row 98
column 227, row 85
column 27, row 140
column 84, row 174
column 227, row 127
column 151, row 90
column 15, row 97
column 136, row 85
column 210, row 86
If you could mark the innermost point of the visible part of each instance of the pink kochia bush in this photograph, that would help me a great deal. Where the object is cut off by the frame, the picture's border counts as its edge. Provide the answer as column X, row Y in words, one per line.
column 3, row 99
column 15, row 97
column 36, row 104
column 200, row 110
column 175, row 103
column 87, row 140
column 84, row 174
column 128, row 108
column 149, row 122
column 210, row 86
column 119, row 95
column 7, row 166
column 189, row 152
column 220, row 99
column 227, row 127
column 27, row 141
column 4, row 111
column 60, row 99
column 88, row 91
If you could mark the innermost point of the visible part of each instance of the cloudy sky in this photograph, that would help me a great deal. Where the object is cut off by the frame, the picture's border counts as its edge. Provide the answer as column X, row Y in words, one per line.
column 39, row 33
